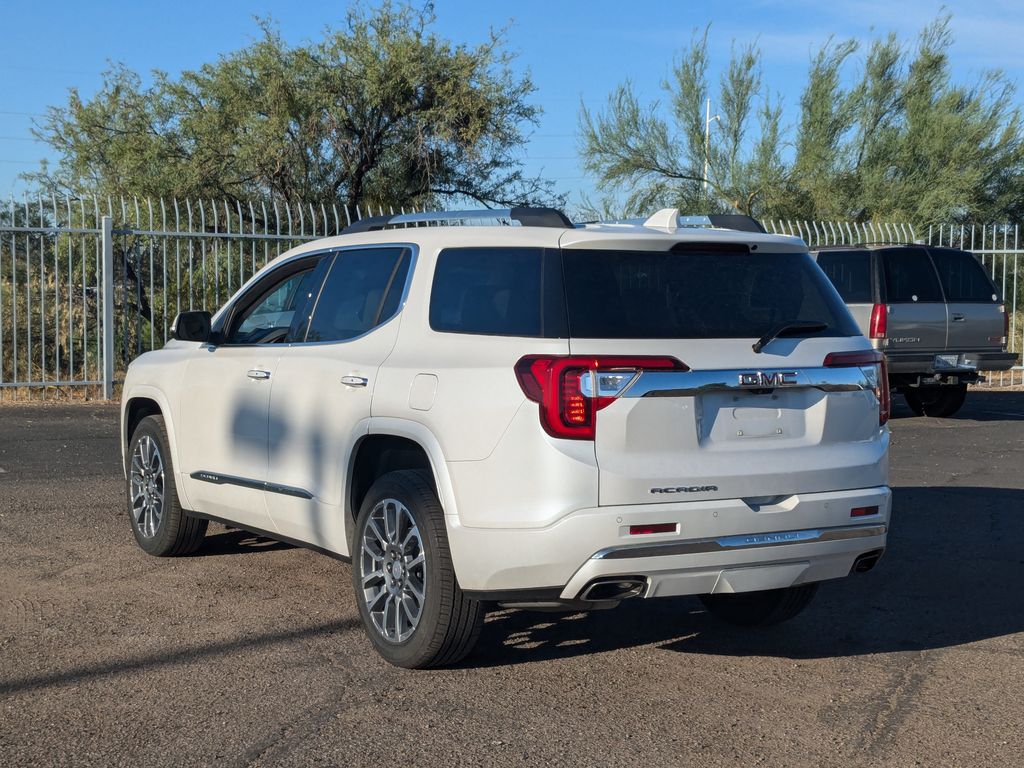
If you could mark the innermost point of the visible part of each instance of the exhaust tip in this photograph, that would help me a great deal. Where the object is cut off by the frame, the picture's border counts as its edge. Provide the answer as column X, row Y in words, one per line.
column 867, row 561
column 615, row 588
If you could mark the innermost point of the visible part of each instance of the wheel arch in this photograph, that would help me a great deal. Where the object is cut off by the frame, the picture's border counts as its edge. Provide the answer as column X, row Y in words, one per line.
column 395, row 444
column 142, row 401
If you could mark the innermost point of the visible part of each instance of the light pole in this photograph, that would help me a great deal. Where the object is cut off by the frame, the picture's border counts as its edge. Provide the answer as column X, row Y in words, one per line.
column 707, row 141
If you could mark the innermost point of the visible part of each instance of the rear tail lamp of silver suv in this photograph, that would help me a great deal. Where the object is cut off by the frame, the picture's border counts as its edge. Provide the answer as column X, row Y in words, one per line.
column 872, row 363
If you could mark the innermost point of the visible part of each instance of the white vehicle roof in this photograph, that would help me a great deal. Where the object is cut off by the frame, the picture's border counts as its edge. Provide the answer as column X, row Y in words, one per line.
column 655, row 232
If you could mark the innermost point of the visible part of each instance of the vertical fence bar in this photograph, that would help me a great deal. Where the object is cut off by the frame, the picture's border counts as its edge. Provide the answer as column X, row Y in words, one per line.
column 163, row 260
column 107, row 237
column 42, row 293
column 14, row 292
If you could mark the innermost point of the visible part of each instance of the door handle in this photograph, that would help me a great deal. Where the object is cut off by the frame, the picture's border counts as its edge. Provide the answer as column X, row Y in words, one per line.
column 354, row 381
column 958, row 317
column 258, row 375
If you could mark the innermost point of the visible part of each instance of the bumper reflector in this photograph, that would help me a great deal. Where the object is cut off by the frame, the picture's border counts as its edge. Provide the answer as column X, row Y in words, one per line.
column 640, row 530
column 863, row 511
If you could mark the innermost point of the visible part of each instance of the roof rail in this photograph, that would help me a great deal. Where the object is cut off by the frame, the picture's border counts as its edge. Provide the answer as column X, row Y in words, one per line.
column 669, row 219
column 527, row 217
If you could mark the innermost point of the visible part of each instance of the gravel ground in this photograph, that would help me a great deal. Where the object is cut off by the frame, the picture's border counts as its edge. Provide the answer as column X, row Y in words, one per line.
column 251, row 653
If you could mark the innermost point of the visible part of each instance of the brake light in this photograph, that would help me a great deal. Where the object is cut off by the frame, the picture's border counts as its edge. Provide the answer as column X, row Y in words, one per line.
column 1006, row 325
column 572, row 389
column 879, row 322
column 869, row 358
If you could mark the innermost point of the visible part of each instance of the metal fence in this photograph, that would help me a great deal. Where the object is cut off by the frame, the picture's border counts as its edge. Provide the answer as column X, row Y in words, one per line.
column 87, row 285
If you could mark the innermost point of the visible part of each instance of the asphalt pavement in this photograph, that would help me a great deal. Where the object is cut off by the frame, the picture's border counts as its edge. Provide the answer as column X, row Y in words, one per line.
column 251, row 652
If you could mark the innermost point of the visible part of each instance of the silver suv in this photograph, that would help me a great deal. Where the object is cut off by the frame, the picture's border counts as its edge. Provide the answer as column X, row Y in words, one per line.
column 934, row 312
column 525, row 413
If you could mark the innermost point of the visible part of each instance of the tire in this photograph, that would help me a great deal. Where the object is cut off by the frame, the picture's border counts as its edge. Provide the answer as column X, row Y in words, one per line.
column 409, row 600
column 940, row 402
column 161, row 527
column 760, row 609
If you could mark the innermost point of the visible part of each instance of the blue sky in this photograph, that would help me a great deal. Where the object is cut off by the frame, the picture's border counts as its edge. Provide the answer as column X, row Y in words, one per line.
column 575, row 51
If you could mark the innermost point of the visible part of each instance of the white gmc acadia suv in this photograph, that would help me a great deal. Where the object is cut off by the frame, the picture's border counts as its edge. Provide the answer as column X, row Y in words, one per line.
column 527, row 413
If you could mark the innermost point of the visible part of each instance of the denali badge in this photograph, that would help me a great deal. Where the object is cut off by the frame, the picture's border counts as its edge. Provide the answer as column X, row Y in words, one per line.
column 686, row 489
column 767, row 379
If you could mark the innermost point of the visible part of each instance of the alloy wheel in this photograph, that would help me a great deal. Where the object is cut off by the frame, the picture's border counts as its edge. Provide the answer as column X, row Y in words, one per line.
column 147, row 486
column 393, row 570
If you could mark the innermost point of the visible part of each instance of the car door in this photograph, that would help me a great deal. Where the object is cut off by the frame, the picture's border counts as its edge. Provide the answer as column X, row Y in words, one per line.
column 975, row 311
column 916, row 309
column 322, row 390
column 224, row 408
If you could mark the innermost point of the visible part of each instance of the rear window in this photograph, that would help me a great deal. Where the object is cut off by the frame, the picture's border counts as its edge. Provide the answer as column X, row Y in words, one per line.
column 690, row 295
column 962, row 277
column 850, row 273
column 909, row 276
column 498, row 292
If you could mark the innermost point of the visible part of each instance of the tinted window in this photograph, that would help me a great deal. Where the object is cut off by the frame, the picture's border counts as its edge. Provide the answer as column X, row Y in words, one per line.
column 269, row 318
column 962, row 277
column 362, row 290
column 498, row 291
column 850, row 273
column 909, row 276
column 689, row 295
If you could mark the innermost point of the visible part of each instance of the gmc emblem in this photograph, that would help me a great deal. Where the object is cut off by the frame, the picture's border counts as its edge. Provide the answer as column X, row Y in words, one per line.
column 767, row 380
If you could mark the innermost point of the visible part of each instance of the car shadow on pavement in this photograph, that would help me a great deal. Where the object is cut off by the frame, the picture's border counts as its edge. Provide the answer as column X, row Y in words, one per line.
column 951, row 576
column 238, row 542
column 980, row 405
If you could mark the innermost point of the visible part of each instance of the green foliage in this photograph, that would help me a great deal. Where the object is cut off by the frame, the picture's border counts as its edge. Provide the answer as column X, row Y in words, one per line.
column 379, row 111
column 895, row 138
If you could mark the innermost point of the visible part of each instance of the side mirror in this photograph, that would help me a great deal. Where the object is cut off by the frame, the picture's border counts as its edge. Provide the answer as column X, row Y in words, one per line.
column 191, row 326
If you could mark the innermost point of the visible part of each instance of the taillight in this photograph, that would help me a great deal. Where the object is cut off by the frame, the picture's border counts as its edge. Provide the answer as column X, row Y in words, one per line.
column 869, row 358
column 879, row 322
column 1006, row 325
column 572, row 389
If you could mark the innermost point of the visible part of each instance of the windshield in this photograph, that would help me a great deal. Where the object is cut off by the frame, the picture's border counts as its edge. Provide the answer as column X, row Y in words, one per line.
column 614, row 294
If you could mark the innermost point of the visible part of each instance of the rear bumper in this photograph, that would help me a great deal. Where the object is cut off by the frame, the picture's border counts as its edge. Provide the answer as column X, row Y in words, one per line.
column 718, row 546
column 924, row 362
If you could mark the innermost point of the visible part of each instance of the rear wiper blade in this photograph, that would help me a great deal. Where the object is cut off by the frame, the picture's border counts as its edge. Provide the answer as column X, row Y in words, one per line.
column 788, row 329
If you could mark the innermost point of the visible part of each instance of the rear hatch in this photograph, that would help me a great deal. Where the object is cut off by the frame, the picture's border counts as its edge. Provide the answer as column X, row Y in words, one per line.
column 976, row 314
column 726, row 422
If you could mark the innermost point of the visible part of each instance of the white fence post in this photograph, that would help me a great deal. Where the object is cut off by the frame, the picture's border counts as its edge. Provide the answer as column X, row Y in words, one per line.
column 108, row 307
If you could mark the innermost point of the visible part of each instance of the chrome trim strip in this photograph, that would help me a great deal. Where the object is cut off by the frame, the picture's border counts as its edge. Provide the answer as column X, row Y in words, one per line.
column 690, row 383
column 743, row 541
column 244, row 482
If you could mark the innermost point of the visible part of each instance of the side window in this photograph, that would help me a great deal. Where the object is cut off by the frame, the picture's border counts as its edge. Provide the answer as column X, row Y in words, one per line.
column 498, row 292
column 270, row 316
column 850, row 273
column 963, row 278
column 909, row 276
column 362, row 290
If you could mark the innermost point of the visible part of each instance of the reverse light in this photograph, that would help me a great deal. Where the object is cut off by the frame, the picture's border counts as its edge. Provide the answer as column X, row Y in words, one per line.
column 869, row 359
column 878, row 326
column 571, row 389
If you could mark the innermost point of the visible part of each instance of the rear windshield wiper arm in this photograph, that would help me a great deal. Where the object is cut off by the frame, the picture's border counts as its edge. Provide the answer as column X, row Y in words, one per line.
column 788, row 329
